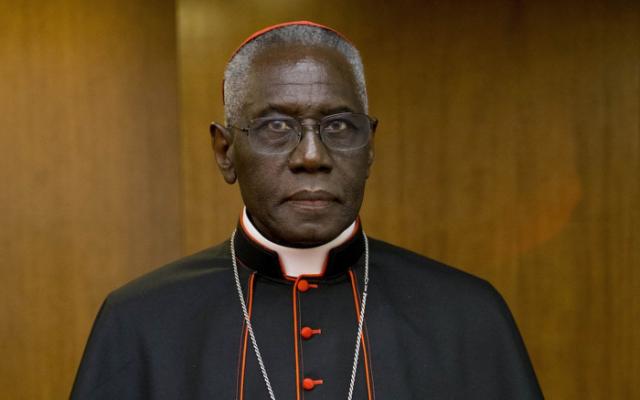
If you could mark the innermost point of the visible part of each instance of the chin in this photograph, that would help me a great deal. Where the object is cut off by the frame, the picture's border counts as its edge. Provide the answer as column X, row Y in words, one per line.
column 309, row 235
column 303, row 226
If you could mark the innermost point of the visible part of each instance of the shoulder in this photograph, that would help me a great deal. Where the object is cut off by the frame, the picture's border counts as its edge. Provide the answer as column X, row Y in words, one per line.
column 405, row 264
column 420, row 279
column 182, row 281
column 453, row 317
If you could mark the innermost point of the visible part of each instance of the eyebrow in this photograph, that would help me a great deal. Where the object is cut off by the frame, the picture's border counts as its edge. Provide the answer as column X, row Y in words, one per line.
column 295, row 110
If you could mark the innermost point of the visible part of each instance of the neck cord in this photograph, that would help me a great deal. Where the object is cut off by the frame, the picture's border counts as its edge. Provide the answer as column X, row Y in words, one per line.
column 254, row 343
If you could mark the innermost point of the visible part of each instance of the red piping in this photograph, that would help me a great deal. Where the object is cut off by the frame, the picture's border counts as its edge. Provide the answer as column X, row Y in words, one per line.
column 295, row 336
column 246, row 334
column 364, row 346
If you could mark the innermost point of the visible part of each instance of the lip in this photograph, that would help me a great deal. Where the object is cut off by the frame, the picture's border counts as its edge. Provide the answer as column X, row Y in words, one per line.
column 311, row 199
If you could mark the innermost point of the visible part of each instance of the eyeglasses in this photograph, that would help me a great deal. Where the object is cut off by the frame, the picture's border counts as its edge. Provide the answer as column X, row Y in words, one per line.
column 341, row 132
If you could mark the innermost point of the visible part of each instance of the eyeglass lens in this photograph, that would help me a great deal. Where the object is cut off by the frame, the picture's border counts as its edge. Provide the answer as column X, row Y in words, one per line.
column 345, row 131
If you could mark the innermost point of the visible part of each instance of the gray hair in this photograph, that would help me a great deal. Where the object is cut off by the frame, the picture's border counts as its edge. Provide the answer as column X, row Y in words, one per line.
column 307, row 35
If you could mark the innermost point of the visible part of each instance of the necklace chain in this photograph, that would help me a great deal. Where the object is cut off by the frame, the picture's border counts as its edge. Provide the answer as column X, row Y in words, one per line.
column 252, row 336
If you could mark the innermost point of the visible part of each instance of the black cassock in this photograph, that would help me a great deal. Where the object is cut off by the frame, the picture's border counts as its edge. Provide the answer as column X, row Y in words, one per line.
column 431, row 331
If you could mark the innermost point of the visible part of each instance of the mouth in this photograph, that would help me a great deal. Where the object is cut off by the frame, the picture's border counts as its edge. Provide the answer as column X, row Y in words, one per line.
column 311, row 199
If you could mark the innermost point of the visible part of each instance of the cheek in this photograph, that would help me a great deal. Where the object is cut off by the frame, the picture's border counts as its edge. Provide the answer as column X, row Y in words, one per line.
column 354, row 176
column 258, row 178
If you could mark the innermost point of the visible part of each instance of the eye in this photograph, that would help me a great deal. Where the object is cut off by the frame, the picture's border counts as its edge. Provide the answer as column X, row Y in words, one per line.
column 337, row 125
column 278, row 125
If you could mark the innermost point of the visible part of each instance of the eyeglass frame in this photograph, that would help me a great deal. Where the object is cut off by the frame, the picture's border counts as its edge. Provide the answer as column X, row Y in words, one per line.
column 373, row 124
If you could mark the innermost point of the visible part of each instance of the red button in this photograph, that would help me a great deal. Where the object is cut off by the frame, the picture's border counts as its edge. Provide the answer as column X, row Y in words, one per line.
column 307, row 332
column 304, row 285
column 309, row 384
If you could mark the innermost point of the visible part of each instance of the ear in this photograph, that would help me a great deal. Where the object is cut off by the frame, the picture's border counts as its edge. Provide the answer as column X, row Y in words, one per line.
column 222, row 143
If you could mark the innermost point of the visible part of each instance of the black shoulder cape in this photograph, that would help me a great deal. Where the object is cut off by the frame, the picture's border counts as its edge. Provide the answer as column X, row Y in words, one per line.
column 431, row 331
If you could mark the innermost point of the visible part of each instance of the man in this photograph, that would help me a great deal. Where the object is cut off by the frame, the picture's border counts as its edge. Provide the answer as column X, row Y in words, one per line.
column 299, row 303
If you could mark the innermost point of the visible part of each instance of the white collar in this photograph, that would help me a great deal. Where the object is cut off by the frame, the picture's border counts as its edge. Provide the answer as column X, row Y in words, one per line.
column 298, row 261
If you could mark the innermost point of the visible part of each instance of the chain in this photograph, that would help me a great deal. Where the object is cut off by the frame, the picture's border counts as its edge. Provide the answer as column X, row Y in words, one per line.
column 360, row 317
column 252, row 336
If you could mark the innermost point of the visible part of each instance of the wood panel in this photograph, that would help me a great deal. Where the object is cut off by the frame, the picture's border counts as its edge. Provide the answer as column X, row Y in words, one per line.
column 508, row 146
column 90, row 172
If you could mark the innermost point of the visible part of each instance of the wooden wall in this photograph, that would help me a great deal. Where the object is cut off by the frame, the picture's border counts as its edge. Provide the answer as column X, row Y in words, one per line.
column 508, row 146
column 90, row 173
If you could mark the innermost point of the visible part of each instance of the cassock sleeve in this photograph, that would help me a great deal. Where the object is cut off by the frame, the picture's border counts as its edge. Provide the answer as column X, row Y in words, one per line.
column 107, row 369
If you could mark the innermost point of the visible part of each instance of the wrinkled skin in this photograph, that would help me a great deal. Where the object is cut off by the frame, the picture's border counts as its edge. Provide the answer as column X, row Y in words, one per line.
column 308, row 196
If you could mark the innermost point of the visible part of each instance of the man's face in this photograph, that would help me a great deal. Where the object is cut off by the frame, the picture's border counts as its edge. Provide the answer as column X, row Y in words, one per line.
column 308, row 196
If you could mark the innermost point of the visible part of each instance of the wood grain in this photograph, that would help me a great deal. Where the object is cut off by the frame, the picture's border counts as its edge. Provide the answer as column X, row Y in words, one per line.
column 90, row 172
column 508, row 146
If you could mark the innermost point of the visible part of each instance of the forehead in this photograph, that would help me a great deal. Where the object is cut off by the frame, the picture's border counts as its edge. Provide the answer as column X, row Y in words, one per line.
column 300, row 80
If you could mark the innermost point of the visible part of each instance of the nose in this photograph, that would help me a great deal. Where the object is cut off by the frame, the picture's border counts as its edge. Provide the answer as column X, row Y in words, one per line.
column 310, row 155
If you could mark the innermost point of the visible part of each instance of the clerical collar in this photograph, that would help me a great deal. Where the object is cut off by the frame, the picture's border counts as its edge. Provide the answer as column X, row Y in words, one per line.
column 328, row 260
